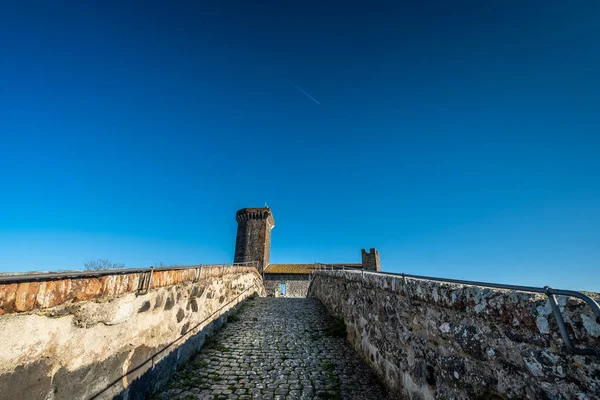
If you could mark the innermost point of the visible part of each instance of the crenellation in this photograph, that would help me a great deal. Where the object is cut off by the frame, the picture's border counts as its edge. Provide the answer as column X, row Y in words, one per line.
column 247, row 214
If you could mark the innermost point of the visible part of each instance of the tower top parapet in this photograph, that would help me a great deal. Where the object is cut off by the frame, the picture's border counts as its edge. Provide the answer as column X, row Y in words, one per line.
column 261, row 213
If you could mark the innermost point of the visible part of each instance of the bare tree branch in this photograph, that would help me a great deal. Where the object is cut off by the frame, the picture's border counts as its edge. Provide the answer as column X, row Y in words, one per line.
column 102, row 264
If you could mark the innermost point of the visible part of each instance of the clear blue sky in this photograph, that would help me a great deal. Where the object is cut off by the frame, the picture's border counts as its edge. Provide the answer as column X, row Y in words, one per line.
column 461, row 139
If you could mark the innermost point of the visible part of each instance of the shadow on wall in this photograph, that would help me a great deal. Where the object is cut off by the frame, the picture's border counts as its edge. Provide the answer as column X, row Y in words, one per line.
column 126, row 375
column 143, row 381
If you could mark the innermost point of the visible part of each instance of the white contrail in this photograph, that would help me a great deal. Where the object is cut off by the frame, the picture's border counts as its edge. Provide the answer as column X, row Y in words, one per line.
column 306, row 94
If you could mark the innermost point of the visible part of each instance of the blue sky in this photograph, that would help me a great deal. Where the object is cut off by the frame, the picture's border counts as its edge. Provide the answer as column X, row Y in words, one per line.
column 461, row 139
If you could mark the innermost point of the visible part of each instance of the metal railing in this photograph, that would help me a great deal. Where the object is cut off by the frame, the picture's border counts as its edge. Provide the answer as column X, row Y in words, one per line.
column 33, row 277
column 546, row 290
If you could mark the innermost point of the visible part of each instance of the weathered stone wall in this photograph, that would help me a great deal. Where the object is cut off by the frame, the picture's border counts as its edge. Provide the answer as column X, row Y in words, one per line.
column 253, row 239
column 370, row 260
column 296, row 284
column 98, row 338
column 463, row 342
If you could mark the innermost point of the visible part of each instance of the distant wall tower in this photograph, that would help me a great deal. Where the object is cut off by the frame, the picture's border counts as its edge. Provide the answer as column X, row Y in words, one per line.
column 370, row 260
column 253, row 240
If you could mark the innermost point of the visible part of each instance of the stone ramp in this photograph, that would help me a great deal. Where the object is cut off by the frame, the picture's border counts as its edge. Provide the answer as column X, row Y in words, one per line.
column 277, row 348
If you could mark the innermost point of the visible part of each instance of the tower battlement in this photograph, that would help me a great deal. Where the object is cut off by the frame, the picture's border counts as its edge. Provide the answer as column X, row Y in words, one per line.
column 246, row 214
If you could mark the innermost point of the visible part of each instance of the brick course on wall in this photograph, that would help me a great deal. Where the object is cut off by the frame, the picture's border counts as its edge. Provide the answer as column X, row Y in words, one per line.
column 28, row 296
column 296, row 284
column 100, row 338
column 463, row 342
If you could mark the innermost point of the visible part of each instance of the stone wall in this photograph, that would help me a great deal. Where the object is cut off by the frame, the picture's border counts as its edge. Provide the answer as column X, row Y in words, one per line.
column 296, row 284
column 98, row 337
column 370, row 260
column 253, row 239
column 463, row 342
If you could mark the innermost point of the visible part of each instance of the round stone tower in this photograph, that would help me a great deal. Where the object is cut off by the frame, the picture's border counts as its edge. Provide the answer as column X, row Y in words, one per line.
column 253, row 240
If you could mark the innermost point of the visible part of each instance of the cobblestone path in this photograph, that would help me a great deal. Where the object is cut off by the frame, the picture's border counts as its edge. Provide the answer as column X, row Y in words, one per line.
column 277, row 348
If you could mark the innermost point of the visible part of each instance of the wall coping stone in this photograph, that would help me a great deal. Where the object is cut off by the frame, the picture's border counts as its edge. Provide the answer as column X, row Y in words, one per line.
column 35, row 295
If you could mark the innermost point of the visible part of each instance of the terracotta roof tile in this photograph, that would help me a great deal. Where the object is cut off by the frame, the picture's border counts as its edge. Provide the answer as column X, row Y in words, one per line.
column 301, row 268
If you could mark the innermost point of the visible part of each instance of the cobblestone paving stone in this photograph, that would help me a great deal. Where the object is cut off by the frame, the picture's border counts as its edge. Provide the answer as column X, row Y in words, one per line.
column 276, row 348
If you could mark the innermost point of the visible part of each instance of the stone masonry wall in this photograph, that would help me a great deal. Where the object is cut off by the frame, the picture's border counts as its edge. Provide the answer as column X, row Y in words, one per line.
column 97, row 338
column 463, row 342
column 253, row 239
column 296, row 285
column 370, row 260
